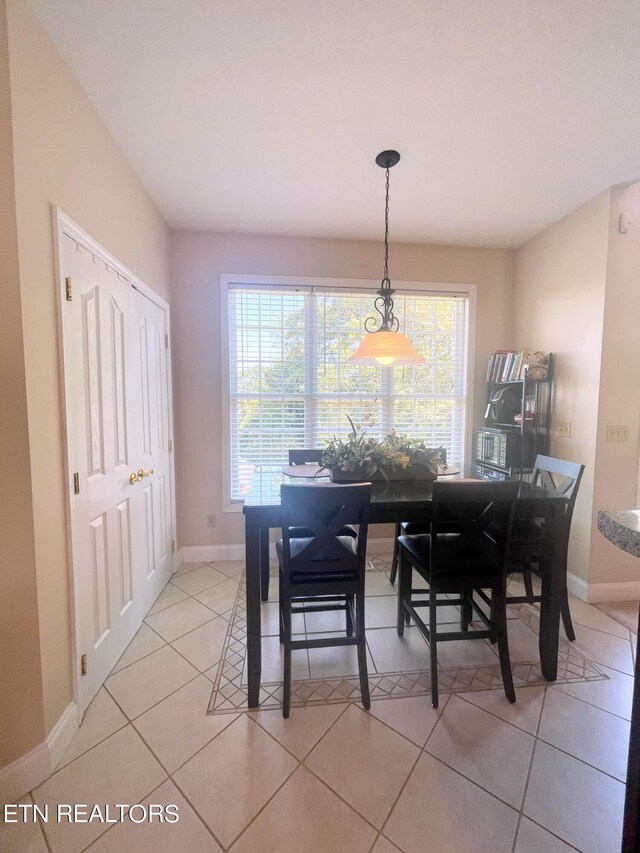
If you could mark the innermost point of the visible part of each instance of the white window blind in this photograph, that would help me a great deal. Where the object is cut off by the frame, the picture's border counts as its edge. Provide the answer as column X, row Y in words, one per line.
column 291, row 386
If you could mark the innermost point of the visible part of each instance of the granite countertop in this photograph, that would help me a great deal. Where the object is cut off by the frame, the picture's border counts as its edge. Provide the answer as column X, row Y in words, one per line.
column 622, row 527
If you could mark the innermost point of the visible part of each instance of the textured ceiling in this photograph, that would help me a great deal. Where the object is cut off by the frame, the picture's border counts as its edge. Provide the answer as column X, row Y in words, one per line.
column 265, row 116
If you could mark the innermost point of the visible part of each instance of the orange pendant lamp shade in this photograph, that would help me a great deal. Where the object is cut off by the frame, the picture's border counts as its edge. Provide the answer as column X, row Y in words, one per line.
column 385, row 348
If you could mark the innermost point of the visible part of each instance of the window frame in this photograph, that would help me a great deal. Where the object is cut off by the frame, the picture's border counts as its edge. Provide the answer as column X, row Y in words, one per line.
column 307, row 283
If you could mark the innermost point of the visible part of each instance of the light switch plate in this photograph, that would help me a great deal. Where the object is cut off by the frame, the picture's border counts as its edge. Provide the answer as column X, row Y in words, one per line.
column 564, row 430
column 617, row 432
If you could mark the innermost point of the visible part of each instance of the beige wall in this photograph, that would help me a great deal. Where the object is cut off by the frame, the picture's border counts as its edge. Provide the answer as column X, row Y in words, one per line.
column 198, row 259
column 21, row 710
column 63, row 156
column 616, row 468
column 560, row 288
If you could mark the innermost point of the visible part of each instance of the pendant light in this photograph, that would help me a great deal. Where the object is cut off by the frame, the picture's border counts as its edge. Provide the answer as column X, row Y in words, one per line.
column 385, row 345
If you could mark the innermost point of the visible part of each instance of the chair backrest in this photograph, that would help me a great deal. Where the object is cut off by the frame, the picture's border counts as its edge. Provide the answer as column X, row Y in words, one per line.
column 481, row 514
column 559, row 476
column 323, row 510
column 304, row 456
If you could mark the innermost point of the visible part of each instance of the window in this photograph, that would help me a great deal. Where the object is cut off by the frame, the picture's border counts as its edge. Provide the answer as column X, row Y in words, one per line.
column 289, row 384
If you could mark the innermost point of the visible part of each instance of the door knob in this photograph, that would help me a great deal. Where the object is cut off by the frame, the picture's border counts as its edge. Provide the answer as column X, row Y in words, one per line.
column 136, row 477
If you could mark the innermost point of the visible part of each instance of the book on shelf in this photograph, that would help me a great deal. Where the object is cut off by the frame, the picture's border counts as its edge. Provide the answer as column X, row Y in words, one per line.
column 507, row 365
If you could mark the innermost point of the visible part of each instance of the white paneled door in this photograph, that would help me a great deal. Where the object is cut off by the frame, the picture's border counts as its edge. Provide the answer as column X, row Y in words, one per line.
column 118, row 442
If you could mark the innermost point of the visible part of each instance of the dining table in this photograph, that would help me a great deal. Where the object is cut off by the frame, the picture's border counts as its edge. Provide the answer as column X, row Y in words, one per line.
column 393, row 502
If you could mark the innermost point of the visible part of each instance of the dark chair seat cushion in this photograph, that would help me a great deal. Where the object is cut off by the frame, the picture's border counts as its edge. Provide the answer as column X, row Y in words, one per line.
column 526, row 530
column 324, row 557
column 470, row 566
column 304, row 532
column 417, row 528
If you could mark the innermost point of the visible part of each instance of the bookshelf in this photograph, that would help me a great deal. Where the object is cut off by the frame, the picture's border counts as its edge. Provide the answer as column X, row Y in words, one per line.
column 517, row 415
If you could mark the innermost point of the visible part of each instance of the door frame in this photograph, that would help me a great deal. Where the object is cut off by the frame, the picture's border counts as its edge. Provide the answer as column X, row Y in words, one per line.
column 63, row 224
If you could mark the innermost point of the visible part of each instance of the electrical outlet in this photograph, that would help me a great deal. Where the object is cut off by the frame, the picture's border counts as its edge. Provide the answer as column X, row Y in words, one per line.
column 564, row 430
column 211, row 520
column 617, row 432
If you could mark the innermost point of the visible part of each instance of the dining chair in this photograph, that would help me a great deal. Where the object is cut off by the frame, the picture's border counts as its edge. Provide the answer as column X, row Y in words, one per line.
column 306, row 456
column 472, row 558
column 325, row 570
column 527, row 540
column 410, row 528
column 297, row 456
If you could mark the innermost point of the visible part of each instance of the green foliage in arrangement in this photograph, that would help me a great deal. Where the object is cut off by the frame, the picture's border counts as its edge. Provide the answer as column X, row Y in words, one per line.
column 364, row 455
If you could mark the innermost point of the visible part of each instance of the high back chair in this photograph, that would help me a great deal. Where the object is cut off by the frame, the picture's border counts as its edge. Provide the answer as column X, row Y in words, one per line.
column 525, row 553
column 324, row 570
column 312, row 456
column 471, row 558
column 409, row 527
column 297, row 456
column 306, row 456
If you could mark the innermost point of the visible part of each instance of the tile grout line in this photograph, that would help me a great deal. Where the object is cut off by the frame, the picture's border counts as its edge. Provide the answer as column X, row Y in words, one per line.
column 41, row 825
column 496, row 716
column 98, row 742
column 155, row 704
column 200, row 748
column 195, row 811
column 300, row 763
column 474, row 783
column 559, row 687
column 112, row 826
column 263, row 807
column 528, row 776
column 421, row 752
column 522, row 814
column 274, row 738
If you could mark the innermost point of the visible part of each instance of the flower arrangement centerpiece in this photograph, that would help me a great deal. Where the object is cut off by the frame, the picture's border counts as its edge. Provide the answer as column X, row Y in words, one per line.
column 395, row 457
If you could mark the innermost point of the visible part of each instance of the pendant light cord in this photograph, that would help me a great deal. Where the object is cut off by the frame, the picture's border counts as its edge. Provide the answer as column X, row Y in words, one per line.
column 386, row 234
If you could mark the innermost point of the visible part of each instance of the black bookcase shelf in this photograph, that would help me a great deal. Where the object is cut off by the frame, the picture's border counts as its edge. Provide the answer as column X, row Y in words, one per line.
column 517, row 425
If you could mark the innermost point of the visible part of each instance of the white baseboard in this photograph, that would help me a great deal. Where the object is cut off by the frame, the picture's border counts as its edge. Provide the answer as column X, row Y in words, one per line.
column 32, row 769
column 23, row 774
column 178, row 560
column 598, row 592
column 211, row 553
column 62, row 733
column 628, row 591
column 577, row 586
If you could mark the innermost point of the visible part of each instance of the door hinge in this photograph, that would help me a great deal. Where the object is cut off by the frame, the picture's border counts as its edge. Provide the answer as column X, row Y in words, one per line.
column 83, row 665
column 76, row 484
column 170, row 446
column 173, row 546
column 166, row 341
column 68, row 289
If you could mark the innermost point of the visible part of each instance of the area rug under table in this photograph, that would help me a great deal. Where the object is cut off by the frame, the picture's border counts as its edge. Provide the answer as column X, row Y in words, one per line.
column 229, row 693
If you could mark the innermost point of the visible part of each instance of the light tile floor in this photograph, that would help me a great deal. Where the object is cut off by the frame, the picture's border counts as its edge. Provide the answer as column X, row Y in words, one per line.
column 545, row 774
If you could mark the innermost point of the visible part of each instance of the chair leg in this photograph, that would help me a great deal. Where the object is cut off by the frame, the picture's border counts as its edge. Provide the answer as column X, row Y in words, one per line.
column 566, row 616
column 528, row 585
column 362, row 651
column 404, row 593
column 281, row 606
column 395, row 557
column 286, row 682
column 264, row 563
column 466, row 611
column 500, row 613
column 349, row 615
column 433, row 629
